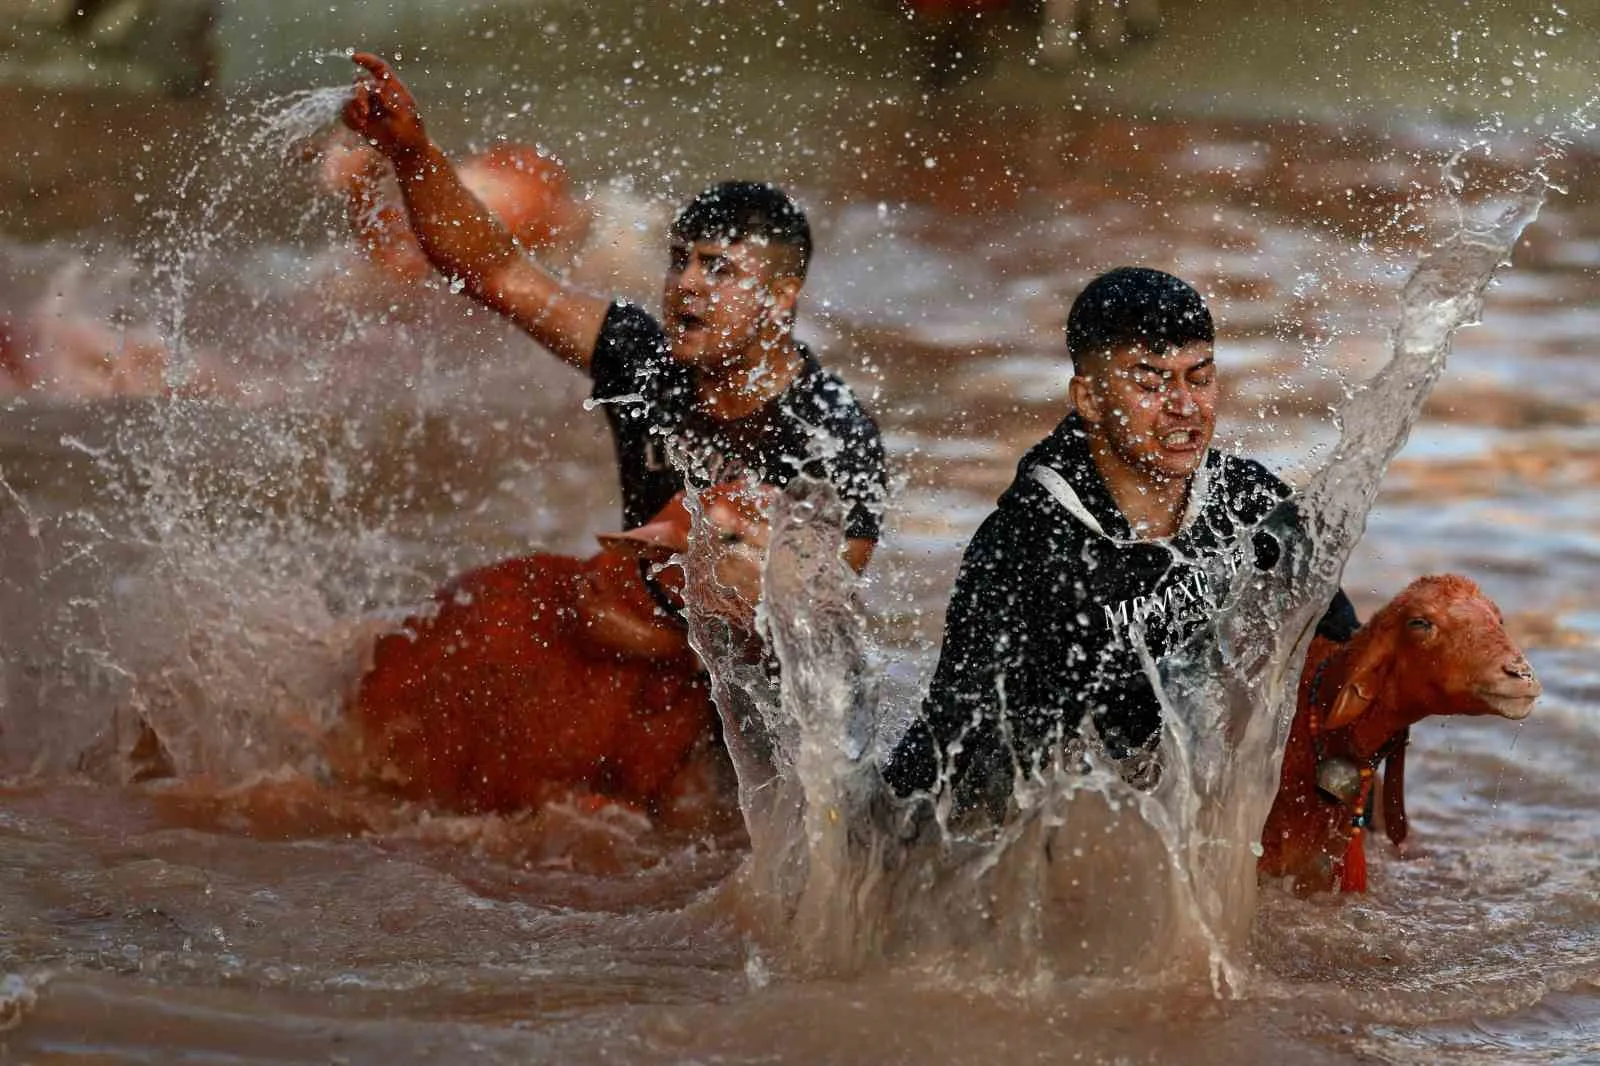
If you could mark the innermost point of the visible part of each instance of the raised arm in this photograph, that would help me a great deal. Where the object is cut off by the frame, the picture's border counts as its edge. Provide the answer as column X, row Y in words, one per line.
column 458, row 234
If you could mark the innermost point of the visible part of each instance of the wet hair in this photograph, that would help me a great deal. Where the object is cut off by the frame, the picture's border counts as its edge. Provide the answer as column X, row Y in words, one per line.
column 1135, row 305
column 740, row 210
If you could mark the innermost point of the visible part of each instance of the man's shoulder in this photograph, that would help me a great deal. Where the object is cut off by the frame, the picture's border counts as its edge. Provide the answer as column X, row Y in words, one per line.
column 626, row 324
column 631, row 355
column 1027, row 523
column 825, row 405
column 1027, row 499
column 1241, row 477
column 1020, row 570
column 821, row 392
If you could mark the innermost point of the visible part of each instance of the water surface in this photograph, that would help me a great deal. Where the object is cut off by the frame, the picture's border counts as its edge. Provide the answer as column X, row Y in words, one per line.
column 216, row 563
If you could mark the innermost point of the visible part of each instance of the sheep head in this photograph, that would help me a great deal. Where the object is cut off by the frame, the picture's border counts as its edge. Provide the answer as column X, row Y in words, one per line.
column 1440, row 647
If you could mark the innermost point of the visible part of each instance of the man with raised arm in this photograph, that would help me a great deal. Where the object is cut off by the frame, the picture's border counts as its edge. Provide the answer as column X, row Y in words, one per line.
column 719, row 383
column 1107, row 537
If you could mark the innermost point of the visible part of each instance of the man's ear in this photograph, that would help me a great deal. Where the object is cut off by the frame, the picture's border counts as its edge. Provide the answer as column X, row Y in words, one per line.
column 1085, row 399
column 784, row 291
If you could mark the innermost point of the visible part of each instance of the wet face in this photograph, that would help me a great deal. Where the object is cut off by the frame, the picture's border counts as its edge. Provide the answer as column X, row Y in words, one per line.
column 1156, row 412
column 721, row 299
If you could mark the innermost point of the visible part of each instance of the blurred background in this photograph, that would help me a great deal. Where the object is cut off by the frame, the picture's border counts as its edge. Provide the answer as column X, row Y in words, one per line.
column 227, row 445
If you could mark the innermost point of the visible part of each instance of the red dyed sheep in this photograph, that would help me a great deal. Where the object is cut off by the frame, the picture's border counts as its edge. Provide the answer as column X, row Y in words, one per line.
column 1438, row 648
column 523, row 187
column 537, row 677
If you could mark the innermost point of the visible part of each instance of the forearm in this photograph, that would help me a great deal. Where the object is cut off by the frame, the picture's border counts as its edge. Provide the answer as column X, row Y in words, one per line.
column 464, row 241
column 959, row 745
column 457, row 233
column 953, row 736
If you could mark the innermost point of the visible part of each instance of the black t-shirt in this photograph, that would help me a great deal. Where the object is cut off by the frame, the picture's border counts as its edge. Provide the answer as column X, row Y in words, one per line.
column 815, row 426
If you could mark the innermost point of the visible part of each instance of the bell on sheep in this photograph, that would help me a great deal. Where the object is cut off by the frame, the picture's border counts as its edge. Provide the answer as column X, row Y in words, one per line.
column 1339, row 779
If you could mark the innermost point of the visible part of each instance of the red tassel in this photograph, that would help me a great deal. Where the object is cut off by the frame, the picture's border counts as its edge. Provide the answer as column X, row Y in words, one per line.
column 1353, row 872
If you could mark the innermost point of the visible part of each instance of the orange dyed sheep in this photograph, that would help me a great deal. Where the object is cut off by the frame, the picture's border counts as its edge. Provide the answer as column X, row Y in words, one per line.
column 524, row 188
column 1438, row 648
column 537, row 678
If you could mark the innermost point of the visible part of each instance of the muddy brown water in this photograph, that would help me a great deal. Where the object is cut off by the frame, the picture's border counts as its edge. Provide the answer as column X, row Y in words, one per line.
column 213, row 563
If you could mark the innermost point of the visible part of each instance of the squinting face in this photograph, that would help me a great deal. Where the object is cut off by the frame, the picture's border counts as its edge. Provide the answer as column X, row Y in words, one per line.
column 1157, row 412
column 717, row 298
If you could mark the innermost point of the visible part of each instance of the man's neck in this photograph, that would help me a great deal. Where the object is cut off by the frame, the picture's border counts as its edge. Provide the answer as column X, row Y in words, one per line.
column 740, row 390
column 1152, row 506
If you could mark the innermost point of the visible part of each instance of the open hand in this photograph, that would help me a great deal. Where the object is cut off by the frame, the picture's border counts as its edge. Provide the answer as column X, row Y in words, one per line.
column 738, row 554
column 382, row 110
column 743, row 519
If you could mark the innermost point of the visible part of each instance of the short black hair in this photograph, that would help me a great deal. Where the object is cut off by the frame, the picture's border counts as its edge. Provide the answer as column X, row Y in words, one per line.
column 1136, row 305
column 739, row 210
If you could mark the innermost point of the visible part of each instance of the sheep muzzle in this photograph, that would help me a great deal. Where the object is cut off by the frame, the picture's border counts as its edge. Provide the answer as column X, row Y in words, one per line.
column 1512, row 693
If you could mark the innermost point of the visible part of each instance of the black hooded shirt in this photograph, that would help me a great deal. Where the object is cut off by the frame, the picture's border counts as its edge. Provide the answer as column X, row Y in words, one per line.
column 1037, row 632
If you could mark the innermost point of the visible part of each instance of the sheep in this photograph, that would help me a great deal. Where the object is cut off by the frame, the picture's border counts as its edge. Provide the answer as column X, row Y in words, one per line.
column 1438, row 648
column 538, row 678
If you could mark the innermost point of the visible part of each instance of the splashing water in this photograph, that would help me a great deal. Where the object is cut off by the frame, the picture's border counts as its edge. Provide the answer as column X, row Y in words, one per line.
column 1232, row 693
column 210, row 586
column 189, row 605
column 205, row 598
column 803, row 747
column 271, row 132
column 1093, row 880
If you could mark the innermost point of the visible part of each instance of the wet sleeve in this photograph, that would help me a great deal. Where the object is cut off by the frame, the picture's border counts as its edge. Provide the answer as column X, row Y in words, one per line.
column 1001, row 675
column 861, row 477
column 852, row 459
column 630, row 345
column 1340, row 621
column 1119, row 698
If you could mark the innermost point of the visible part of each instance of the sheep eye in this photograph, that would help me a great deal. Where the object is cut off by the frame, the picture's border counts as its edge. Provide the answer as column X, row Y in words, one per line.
column 1421, row 625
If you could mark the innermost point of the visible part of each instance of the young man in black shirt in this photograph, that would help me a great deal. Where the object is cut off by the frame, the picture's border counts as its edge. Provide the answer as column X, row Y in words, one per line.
column 1109, row 526
column 720, row 383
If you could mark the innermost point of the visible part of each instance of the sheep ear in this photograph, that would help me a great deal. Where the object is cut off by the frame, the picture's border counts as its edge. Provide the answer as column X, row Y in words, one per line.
column 1394, row 791
column 1362, row 685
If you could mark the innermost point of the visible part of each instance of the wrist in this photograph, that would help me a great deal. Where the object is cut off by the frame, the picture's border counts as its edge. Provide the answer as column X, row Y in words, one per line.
column 412, row 160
